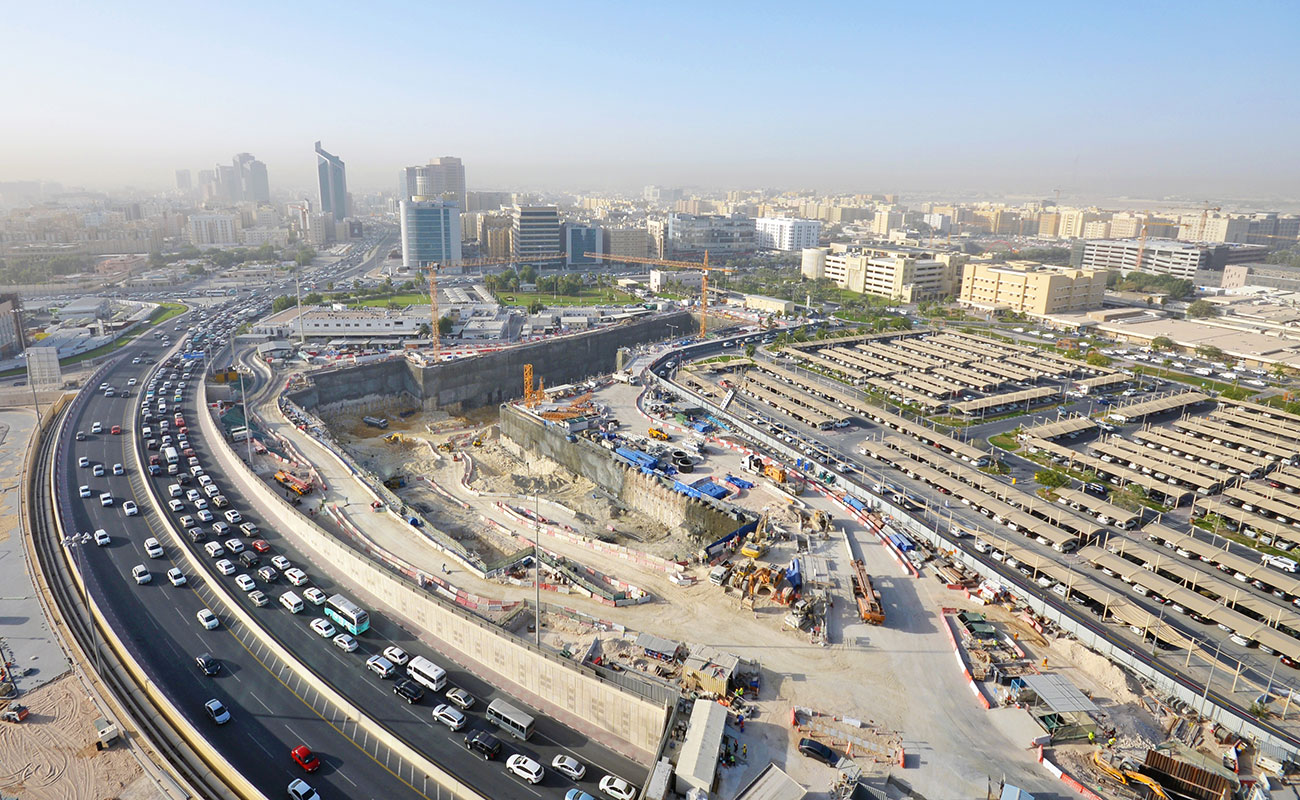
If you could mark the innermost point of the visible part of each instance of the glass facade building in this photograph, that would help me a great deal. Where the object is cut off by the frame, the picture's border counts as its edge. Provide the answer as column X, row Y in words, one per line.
column 333, row 183
column 430, row 232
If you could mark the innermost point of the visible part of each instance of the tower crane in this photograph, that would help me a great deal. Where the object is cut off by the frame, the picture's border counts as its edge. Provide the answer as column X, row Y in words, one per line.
column 434, row 266
column 704, row 268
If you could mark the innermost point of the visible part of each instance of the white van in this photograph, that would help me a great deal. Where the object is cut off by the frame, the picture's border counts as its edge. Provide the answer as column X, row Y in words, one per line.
column 291, row 601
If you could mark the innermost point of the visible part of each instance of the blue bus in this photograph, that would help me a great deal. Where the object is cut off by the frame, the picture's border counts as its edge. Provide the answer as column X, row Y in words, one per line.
column 352, row 617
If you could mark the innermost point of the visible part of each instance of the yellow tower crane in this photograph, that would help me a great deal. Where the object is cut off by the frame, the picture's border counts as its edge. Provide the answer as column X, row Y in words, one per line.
column 703, row 267
column 434, row 266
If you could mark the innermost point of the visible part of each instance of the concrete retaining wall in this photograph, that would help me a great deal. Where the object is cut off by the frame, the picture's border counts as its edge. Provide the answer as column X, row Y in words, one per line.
column 644, row 493
column 491, row 378
column 574, row 691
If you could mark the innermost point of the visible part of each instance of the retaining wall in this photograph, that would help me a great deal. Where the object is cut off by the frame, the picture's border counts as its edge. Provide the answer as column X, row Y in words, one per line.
column 495, row 377
column 573, row 690
column 644, row 493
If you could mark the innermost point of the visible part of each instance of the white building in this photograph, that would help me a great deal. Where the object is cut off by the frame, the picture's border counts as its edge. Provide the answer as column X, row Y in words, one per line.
column 786, row 233
column 256, row 237
column 320, row 321
column 662, row 280
column 214, row 230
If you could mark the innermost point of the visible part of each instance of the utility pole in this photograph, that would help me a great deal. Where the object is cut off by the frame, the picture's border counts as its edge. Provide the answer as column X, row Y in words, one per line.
column 537, row 566
column 248, row 433
column 297, row 282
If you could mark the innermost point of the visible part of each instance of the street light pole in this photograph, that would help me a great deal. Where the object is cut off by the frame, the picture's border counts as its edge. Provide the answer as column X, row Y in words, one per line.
column 248, row 433
column 537, row 565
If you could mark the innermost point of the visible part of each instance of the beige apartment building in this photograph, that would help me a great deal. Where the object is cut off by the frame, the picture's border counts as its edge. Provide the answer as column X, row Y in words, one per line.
column 1027, row 287
column 900, row 272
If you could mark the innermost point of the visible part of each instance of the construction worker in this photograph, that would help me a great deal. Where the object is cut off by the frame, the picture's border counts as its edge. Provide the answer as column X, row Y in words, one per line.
column 1092, row 737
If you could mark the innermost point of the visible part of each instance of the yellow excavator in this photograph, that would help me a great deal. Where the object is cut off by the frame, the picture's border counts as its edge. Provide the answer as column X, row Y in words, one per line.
column 1124, row 776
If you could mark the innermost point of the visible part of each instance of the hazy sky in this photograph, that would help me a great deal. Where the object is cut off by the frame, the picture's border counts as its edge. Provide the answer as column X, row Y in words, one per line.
column 1142, row 98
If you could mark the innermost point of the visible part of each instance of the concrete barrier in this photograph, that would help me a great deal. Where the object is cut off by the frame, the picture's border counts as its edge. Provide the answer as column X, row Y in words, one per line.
column 575, row 691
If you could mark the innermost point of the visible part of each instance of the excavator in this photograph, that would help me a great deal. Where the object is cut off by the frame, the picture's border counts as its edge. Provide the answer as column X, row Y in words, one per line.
column 756, row 545
column 1123, row 775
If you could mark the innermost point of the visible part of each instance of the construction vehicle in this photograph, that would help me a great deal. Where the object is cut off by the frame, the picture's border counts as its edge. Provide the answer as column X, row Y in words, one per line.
column 395, row 482
column 692, row 265
column 375, row 422
column 293, row 483
column 1126, row 772
column 756, row 545
column 478, row 441
column 658, row 433
column 757, row 580
column 869, row 606
column 395, row 438
column 14, row 712
column 821, row 521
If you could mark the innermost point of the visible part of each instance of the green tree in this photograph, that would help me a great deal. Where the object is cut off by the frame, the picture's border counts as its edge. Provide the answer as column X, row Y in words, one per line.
column 313, row 298
column 1096, row 359
column 1051, row 478
column 750, row 350
column 1201, row 309
column 1162, row 343
column 423, row 331
column 536, row 307
column 444, row 325
column 528, row 273
column 281, row 303
column 1210, row 352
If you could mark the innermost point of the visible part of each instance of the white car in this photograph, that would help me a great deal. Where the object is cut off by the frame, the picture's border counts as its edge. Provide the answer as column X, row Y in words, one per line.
column 98, row 471
column 281, row 563
column 526, row 768
column 141, row 574
column 153, row 548
column 323, row 628
column 192, row 495
column 396, row 655
column 345, row 643
column 225, row 567
column 175, row 505
column 84, row 491
column 130, row 508
column 617, row 788
column 380, row 666
column 131, row 381
column 176, row 576
column 101, row 538
column 105, row 499
column 234, row 545
column 83, row 462
column 117, row 470
column 216, row 710
column 201, row 503
column 207, row 619
column 449, row 716
column 96, row 428
column 299, row 789
column 205, row 515
column 245, row 582
column 314, row 595
column 295, row 576
column 569, row 766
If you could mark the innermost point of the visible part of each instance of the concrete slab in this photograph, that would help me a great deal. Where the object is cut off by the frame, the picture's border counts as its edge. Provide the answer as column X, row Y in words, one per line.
column 25, row 634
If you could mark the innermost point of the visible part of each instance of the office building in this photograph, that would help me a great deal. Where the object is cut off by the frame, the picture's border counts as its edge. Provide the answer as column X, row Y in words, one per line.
column 321, row 229
column 580, row 240
column 900, row 272
column 786, row 233
column 214, row 230
column 332, row 183
column 685, row 280
column 183, row 180
column 1026, row 287
column 12, row 340
column 633, row 242
column 441, row 179
column 488, row 201
column 938, row 223
column 696, row 234
column 228, row 187
column 536, row 231
column 251, row 174
column 430, row 232
column 1163, row 256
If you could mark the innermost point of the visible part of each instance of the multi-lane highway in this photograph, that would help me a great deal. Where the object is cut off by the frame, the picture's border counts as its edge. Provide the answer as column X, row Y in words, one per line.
column 157, row 622
column 273, row 709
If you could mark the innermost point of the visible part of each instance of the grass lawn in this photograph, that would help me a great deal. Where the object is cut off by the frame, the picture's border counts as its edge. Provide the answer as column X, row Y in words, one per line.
column 1006, row 441
column 585, row 297
column 412, row 299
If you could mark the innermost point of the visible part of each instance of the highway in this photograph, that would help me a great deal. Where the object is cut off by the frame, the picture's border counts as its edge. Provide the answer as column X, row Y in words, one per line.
column 157, row 624
column 347, row 673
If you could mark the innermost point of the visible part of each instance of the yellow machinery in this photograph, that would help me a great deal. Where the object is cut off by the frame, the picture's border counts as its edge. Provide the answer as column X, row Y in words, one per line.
column 756, row 545
column 532, row 396
column 662, row 262
column 1122, row 775
column 658, row 433
column 395, row 438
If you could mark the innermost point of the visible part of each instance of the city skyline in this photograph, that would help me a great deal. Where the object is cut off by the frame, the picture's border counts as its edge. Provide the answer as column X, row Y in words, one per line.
column 1072, row 102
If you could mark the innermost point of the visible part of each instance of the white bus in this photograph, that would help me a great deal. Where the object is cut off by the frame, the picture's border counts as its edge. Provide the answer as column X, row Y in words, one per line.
column 428, row 673
column 507, row 717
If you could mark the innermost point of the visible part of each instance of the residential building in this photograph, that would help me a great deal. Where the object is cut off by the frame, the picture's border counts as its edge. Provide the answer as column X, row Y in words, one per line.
column 1026, row 287
column 494, row 232
column 320, row 229
column 1048, row 224
column 580, row 240
column 260, row 235
column 786, row 233
column 331, row 183
column 1096, row 229
column 488, row 201
column 886, row 220
column 183, row 180
column 634, row 242
column 214, row 230
column 696, row 234
column 1163, row 256
column 441, row 179
column 430, row 232
column 904, row 273
column 939, row 223
column 536, row 231
column 1072, row 220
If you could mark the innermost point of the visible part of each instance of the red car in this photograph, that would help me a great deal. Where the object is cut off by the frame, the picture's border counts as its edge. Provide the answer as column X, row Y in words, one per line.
column 261, row 546
column 305, row 758
column 117, row 430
